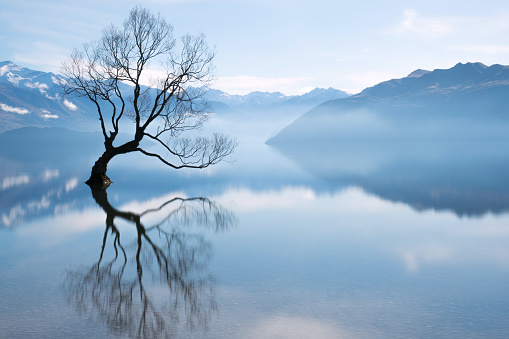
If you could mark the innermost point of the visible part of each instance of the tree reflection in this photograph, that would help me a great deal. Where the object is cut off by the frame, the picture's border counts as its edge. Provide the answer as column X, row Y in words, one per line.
column 149, row 286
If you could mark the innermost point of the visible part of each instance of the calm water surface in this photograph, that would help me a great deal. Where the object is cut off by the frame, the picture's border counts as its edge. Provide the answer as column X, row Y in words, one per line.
column 352, row 241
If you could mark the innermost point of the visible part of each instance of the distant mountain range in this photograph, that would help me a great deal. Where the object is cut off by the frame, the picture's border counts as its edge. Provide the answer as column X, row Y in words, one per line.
column 257, row 100
column 466, row 101
column 31, row 98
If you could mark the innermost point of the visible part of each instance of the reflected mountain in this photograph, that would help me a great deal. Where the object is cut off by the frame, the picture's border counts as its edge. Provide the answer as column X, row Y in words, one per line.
column 433, row 140
column 158, row 285
column 467, row 178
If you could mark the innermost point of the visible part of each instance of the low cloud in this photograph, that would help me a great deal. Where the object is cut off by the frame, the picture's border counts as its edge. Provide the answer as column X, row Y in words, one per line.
column 244, row 84
column 40, row 86
column 8, row 68
column 58, row 80
column 70, row 105
column 17, row 110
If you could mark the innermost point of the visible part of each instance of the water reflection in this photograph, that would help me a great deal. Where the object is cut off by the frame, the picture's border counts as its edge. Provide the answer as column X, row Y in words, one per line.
column 466, row 177
column 159, row 282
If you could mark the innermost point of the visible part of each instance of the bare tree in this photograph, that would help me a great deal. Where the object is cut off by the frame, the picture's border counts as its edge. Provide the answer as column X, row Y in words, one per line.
column 161, row 112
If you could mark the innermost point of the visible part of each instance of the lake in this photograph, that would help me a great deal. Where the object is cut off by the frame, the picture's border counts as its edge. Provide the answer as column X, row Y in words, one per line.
column 353, row 240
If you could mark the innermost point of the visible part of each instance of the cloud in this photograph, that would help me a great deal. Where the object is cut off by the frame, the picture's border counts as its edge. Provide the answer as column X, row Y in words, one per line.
column 15, row 181
column 244, row 84
column 485, row 49
column 286, row 326
column 14, row 214
column 45, row 114
column 287, row 197
column 71, row 184
column 48, row 174
column 41, row 87
column 426, row 253
column 8, row 68
column 58, row 80
column 17, row 110
column 425, row 26
column 70, row 105
column 37, row 205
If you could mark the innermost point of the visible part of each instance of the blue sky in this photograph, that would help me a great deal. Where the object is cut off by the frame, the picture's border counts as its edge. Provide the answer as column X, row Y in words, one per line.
column 271, row 45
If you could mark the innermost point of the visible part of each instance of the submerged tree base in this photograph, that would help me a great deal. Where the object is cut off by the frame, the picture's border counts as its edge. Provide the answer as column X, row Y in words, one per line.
column 99, row 181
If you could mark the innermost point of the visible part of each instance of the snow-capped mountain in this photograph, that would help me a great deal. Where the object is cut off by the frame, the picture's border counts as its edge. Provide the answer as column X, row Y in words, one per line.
column 256, row 100
column 318, row 96
column 33, row 98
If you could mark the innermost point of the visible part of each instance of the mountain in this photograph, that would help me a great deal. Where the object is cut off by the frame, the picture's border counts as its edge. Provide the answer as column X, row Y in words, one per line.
column 253, row 98
column 318, row 96
column 463, row 102
column 33, row 98
column 433, row 140
column 274, row 100
column 458, row 80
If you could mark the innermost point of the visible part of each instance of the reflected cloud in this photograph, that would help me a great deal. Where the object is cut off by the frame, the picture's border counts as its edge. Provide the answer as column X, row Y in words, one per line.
column 430, row 253
column 14, row 214
column 66, row 223
column 416, row 239
column 50, row 174
column 284, row 326
column 9, row 182
column 245, row 199
column 30, row 208
column 71, row 184
column 158, row 283
column 298, row 198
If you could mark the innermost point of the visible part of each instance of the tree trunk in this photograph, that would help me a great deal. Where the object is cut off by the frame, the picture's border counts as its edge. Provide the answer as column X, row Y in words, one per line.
column 98, row 177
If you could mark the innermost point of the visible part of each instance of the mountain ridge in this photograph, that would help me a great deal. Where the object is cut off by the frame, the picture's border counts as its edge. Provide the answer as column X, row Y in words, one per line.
column 459, row 78
column 466, row 100
column 33, row 98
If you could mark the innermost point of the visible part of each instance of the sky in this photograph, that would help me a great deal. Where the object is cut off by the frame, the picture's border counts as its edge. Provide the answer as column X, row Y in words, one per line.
column 271, row 45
